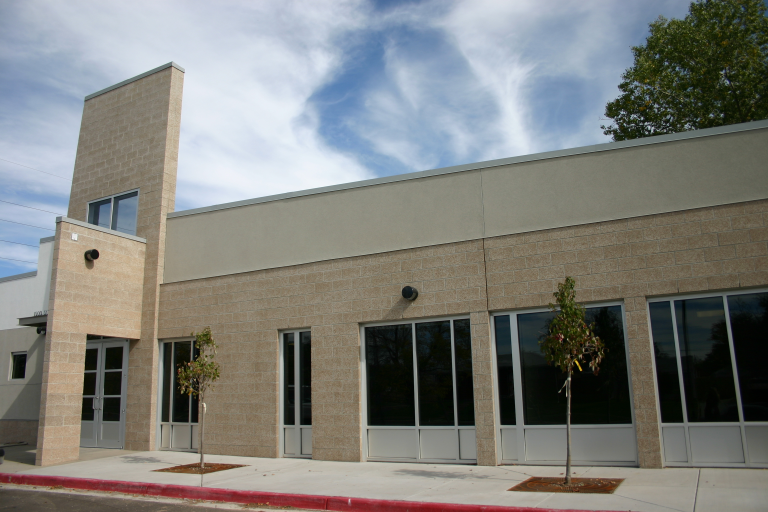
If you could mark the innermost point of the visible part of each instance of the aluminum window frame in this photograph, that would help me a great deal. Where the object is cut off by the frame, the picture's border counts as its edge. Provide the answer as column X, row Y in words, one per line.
column 281, row 386
column 742, row 424
column 112, row 208
column 161, row 391
column 520, row 425
column 416, row 427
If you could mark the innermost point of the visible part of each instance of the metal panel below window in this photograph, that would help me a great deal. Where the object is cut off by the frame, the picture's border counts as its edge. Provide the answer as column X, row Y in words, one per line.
column 675, row 447
column 716, row 444
column 393, row 443
column 589, row 443
column 439, row 444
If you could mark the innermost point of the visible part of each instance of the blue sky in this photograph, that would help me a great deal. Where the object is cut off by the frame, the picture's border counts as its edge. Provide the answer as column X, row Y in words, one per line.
column 282, row 96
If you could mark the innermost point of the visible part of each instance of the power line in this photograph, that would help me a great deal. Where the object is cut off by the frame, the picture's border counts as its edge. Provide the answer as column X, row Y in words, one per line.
column 11, row 259
column 31, row 207
column 19, row 243
column 38, row 170
column 30, row 225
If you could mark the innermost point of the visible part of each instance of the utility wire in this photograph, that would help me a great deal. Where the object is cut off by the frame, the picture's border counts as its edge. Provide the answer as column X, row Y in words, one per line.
column 31, row 207
column 19, row 243
column 30, row 225
column 11, row 259
column 38, row 170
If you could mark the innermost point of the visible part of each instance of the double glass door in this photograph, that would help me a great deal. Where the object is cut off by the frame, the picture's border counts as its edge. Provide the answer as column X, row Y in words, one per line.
column 102, row 419
column 296, row 399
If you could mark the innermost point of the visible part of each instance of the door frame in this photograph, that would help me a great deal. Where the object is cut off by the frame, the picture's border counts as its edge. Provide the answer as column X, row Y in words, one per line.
column 297, row 395
column 103, row 344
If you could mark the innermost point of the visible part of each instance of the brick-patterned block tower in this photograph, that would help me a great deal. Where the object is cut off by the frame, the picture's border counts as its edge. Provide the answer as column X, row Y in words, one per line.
column 129, row 140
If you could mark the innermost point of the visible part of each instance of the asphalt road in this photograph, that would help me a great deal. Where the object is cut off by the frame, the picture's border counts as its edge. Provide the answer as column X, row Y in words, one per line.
column 48, row 501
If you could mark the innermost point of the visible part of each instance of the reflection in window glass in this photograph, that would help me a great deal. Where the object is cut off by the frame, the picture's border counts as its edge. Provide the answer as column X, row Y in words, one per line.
column 710, row 393
column 110, row 409
column 667, row 375
column 99, row 213
column 389, row 372
column 749, row 326
column 86, row 413
column 465, row 396
column 435, row 373
column 289, row 361
column 113, row 383
column 167, row 371
column 182, row 355
column 124, row 217
column 305, row 364
column 504, row 370
column 596, row 400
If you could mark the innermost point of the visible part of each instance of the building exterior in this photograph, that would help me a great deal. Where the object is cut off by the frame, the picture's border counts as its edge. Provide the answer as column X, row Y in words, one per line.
column 322, row 354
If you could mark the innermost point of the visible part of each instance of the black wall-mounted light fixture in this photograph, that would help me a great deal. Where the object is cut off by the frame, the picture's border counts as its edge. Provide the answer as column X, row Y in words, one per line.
column 41, row 330
column 91, row 254
column 410, row 293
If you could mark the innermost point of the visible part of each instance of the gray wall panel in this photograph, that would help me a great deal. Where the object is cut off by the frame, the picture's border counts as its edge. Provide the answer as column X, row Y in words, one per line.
column 627, row 183
column 497, row 200
column 320, row 227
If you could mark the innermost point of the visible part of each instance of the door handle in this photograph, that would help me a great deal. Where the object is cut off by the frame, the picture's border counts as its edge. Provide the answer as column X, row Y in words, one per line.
column 96, row 404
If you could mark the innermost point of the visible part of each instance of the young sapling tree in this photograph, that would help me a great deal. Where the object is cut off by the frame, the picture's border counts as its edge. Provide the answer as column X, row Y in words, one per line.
column 569, row 343
column 197, row 377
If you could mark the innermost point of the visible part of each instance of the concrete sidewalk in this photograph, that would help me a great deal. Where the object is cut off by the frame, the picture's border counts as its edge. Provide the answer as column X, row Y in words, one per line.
column 686, row 490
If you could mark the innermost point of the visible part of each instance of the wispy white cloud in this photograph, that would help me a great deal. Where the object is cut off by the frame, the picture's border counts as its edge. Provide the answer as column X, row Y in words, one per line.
column 285, row 96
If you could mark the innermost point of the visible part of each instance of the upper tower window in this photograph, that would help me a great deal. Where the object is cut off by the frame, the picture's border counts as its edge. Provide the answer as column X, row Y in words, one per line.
column 117, row 212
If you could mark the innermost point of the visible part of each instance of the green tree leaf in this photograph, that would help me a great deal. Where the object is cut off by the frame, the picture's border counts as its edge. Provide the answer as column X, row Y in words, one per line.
column 709, row 69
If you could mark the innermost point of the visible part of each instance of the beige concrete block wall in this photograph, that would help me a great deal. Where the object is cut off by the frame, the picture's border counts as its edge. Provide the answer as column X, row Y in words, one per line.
column 129, row 139
column 247, row 311
column 18, row 431
column 101, row 297
column 718, row 248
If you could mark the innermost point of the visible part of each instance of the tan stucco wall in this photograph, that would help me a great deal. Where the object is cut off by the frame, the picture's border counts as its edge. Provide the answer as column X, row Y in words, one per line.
column 102, row 297
column 468, row 205
column 716, row 248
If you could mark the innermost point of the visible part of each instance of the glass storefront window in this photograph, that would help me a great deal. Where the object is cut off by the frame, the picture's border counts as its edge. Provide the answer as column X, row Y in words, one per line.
column 749, row 325
column 597, row 400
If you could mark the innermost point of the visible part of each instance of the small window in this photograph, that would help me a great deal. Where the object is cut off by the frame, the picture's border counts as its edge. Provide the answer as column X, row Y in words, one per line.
column 18, row 365
column 117, row 212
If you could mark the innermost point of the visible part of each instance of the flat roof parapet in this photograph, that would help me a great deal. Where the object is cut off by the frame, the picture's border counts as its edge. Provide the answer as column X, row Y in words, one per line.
column 137, row 77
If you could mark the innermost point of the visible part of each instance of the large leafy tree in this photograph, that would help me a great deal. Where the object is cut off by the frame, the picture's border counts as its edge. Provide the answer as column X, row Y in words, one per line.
column 569, row 343
column 709, row 69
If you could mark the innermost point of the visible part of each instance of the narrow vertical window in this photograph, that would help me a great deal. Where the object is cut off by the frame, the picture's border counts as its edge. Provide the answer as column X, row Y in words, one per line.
column 667, row 375
column 167, row 376
column 749, row 326
column 465, row 394
column 305, row 369
column 289, row 361
column 435, row 373
column 504, row 370
column 710, row 393
column 182, row 355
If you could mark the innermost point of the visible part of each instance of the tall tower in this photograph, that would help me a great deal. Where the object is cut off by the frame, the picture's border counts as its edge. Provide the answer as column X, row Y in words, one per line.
column 128, row 148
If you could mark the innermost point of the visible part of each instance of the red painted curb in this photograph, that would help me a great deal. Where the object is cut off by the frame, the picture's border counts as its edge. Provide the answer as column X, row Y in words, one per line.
column 275, row 499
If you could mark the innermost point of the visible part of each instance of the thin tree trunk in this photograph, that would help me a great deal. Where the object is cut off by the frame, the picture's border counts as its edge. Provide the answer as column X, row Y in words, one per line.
column 202, row 451
column 568, row 431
